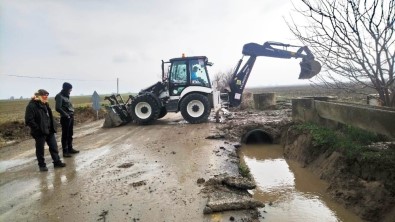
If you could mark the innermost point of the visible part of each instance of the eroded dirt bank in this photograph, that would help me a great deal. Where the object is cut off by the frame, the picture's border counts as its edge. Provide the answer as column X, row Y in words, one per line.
column 364, row 188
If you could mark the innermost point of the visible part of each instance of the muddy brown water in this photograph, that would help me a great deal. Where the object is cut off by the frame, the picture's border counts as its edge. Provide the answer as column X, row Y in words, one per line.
column 290, row 192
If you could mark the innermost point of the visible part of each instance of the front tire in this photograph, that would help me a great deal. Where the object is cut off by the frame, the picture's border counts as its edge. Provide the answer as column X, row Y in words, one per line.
column 144, row 109
column 195, row 108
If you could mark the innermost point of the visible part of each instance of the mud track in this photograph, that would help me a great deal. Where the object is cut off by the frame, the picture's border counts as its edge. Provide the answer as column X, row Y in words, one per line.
column 129, row 173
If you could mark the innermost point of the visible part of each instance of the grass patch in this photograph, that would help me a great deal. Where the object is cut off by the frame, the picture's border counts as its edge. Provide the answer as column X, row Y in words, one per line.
column 367, row 162
column 244, row 170
column 350, row 141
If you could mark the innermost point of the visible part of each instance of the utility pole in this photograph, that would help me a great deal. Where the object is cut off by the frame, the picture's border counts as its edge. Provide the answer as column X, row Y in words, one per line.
column 117, row 85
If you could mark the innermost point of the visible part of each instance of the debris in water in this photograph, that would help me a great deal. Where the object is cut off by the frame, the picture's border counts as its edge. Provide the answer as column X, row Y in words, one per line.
column 229, row 193
column 125, row 165
column 201, row 180
column 138, row 184
column 103, row 215
column 216, row 137
column 239, row 182
column 237, row 145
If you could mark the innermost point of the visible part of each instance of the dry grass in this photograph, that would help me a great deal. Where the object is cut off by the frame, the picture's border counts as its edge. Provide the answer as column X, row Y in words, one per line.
column 292, row 92
column 12, row 124
column 14, row 110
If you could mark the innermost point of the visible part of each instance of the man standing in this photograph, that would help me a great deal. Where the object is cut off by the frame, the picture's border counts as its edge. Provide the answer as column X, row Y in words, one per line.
column 66, row 110
column 39, row 118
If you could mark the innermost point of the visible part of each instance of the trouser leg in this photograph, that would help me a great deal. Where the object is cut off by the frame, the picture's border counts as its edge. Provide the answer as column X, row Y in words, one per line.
column 40, row 142
column 53, row 148
column 70, row 134
column 65, row 122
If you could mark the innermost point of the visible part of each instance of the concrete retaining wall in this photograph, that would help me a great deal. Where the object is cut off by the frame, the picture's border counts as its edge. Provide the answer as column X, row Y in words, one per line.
column 263, row 101
column 370, row 118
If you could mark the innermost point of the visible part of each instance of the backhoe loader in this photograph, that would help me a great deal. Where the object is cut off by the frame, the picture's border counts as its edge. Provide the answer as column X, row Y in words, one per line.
column 186, row 86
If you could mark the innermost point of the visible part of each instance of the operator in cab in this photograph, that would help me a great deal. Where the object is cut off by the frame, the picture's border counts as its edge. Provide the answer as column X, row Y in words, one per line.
column 194, row 77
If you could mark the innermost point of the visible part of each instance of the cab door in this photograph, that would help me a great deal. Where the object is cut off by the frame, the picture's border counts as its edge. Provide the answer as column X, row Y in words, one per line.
column 178, row 77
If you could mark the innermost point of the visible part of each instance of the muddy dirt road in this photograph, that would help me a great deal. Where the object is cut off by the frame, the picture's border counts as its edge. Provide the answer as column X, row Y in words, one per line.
column 129, row 173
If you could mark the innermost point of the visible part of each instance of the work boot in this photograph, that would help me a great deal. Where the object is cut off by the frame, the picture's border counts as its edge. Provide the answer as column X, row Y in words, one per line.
column 66, row 155
column 73, row 151
column 43, row 168
column 59, row 164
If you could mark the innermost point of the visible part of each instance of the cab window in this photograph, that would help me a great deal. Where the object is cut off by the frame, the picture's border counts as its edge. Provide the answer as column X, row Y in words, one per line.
column 178, row 73
column 198, row 74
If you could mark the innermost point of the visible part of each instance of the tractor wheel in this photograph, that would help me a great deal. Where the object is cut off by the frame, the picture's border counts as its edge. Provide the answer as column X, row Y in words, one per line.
column 163, row 112
column 195, row 108
column 144, row 109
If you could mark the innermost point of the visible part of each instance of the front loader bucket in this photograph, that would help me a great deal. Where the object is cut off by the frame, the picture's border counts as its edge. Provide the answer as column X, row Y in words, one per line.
column 117, row 112
column 309, row 68
column 112, row 119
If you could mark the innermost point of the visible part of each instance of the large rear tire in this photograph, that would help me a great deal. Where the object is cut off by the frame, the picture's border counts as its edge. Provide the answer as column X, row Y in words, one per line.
column 162, row 113
column 195, row 108
column 144, row 109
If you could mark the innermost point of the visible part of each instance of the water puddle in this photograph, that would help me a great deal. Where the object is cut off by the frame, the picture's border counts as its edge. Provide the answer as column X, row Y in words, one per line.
column 86, row 158
column 290, row 192
column 8, row 164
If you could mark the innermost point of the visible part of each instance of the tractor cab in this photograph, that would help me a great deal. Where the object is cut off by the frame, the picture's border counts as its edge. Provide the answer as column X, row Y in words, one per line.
column 187, row 71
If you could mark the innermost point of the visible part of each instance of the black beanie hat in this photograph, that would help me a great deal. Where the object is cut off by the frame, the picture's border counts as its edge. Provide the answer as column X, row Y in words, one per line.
column 67, row 86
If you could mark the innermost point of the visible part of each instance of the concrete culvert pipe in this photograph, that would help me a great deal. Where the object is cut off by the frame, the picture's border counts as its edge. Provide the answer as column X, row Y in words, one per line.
column 257, row 136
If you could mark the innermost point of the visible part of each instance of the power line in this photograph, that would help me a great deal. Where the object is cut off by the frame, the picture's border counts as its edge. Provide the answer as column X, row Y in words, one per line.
column 40, row 77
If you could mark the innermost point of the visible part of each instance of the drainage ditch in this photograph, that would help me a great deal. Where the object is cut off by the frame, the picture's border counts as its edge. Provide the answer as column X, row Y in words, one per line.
column 290, row 192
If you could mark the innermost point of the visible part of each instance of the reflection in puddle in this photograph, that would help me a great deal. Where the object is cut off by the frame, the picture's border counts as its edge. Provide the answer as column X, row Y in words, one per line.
column 295, row 194
column 278, row 180
column 8, row 164
column 19, row 189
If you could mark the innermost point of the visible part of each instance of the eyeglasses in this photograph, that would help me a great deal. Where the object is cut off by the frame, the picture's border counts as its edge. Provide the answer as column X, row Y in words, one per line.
column 45, row 95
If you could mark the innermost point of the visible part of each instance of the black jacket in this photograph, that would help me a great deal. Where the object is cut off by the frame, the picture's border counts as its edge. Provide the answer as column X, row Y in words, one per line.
column 63, row 104
column 39, row 118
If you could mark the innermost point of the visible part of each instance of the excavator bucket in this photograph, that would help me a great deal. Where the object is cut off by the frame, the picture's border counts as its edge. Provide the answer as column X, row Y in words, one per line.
column 309, row 68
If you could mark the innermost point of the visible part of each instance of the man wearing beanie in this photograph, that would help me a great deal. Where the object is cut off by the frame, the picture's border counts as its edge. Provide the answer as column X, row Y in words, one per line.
column 39, row 118
column 66, row 110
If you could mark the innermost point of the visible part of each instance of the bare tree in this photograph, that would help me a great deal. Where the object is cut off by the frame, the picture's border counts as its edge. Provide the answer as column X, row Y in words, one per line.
column 223, row 79
column 354, row 40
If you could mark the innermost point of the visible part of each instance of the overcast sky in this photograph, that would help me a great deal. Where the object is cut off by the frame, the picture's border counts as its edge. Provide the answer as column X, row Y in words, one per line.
column 91, row 43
